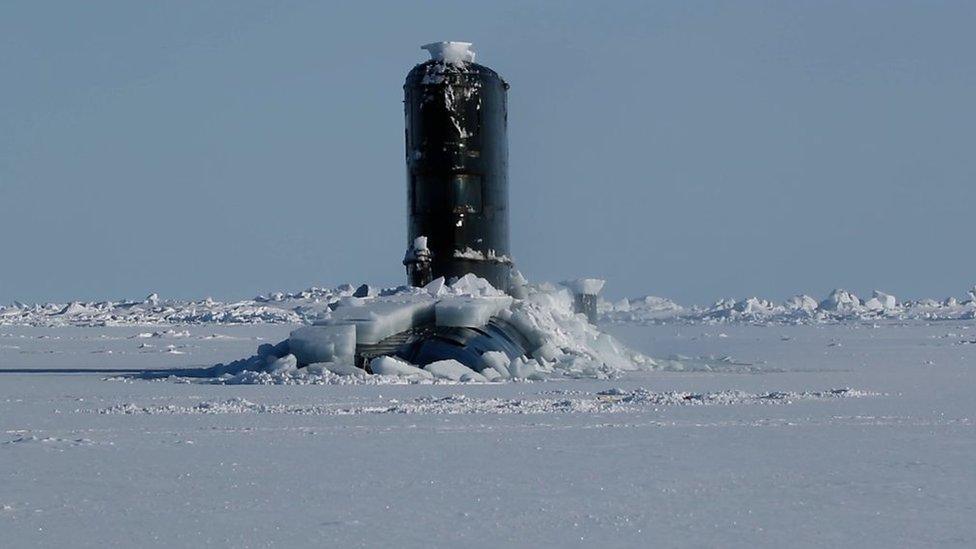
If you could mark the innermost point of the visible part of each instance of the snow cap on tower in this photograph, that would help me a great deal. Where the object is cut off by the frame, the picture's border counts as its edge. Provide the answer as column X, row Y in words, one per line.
column 450, row 52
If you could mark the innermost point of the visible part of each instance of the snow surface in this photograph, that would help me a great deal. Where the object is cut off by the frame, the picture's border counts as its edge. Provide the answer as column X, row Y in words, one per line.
column 847, row 433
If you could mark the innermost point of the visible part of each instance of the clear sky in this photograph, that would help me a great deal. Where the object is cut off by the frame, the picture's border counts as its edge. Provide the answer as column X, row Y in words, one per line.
column 693, row 150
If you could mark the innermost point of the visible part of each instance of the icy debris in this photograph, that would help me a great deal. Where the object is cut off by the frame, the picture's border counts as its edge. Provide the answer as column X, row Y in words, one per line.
column 753, row 306
column 840, row 305
column 613, row 401
column 565, row 342
column 802, row 304
column 453, row 370
column 645, row 397
column 336, row 343
column 524, row 368
column 299, row 307
column 74, row 308
column 647, row 308
column 337, row 368
column 391, row 366
column 162, row 333
column 285, row 364
column 841, row 301
column 881, row 301
column 235, row 405
column 384, row 316
column 436, row 287
column 517, row 284
column 491, row 374
column 497, row 362
column 317, row 304
column 468, row 311
column 587, row 286
column 471, row 285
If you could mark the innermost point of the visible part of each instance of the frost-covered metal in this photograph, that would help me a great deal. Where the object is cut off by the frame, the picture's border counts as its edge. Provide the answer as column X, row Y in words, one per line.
column 457, row 166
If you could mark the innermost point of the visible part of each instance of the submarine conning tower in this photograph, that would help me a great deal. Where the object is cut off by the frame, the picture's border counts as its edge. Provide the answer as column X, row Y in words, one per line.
column 457, row 168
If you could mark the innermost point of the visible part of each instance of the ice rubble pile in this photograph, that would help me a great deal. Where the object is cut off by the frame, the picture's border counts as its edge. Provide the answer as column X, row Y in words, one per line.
column 562, row 343
column 314, row 304
column 840, row 305
column 279, row 307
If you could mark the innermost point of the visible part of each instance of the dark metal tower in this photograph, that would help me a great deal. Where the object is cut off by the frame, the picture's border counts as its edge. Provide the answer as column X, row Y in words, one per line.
column 457, row 168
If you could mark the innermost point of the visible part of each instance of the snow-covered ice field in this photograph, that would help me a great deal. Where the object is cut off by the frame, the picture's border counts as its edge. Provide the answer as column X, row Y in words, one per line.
column 756, row 443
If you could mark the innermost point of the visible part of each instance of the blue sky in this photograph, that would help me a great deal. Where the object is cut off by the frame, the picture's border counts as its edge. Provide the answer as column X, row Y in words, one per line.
column 687, row 149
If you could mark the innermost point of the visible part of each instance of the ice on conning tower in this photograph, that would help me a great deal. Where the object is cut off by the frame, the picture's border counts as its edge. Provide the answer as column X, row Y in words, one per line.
column 450, row 52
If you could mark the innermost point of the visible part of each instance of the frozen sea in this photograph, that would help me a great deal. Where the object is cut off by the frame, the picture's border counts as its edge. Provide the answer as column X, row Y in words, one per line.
column 755, row 444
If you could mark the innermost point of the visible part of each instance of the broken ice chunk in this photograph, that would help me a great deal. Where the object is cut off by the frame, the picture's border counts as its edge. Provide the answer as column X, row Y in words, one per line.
column 285, row 364
column 473, row 376
column 498, row 362
column 311, row 344
column 453, row 370
column 522, row 368
column 585, row 286
column 390, row 366
column 802, row 303
column 881, row 302
column 491, row 374
column 841, row 301
column 338, row 368
column 381, row 318
column 436, row 287
column 471, row 312
column 474, row 285
column 547, row 352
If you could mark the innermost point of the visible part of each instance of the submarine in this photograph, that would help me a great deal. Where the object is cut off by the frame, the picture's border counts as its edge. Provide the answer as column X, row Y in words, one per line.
column 456, row 156
column 456, row 145
column 465, row 312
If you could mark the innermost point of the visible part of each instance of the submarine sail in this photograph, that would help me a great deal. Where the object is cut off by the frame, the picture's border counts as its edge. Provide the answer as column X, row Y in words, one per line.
column 457, row 168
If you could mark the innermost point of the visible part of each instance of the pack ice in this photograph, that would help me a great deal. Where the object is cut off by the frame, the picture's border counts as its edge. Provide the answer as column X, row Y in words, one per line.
column 317, row 304
column 840, row 305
